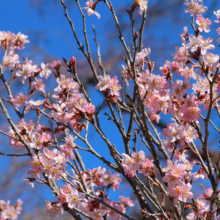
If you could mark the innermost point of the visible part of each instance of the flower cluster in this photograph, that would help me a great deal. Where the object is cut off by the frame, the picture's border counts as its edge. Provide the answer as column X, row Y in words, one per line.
column 137, row 162
column 50, row 162
column 174, row 173
column 142, row 4
column 178, row 133
column 109, row 86
column 92, row 207
column 10, row 41
column 90, row 8
column 8, row 212
column 99, row 177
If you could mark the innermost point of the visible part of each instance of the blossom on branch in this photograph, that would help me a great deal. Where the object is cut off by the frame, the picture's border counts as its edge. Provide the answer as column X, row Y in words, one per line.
column 90, row 8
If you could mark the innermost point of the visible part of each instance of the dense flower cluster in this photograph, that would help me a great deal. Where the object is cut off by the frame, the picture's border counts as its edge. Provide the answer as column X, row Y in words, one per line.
column 137, row 162
column 92, row 207
column 107, row 84
column 8, row 212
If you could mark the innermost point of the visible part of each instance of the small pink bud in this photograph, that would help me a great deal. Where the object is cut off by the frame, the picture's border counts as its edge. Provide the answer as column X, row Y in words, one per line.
column 72, row 63
column 135, row 35
column 55, row 64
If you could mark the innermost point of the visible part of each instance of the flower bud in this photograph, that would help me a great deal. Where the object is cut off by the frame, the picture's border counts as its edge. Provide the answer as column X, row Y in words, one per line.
column 55, row 64
column 135, row 35
column 72, row 63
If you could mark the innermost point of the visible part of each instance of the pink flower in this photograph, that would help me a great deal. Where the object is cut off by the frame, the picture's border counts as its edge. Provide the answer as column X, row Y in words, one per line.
column 26, row 70
column 33, row 103
column 39, row 85
column 70, row 142
column 35, row 173
column 181, row 55
column 142, row 5
column 10, row 41
column 115, row 87
column 20, row 41
column 107, row 178
column 30, row 182
column 45, row 72
column 166, row 68
column 187, row 72
column 201, row 173
column 20, row 100
column 171, row 180
column 175, row 191
column 128, row 165
column 190, row 134
column 111, row 213
column 57, row 171
column 138, row 159
column 90, row 109
column 9, row 213
column 194, row 7
column 178, row 171
column 74, row 199
column 146, row 166
column 186, row 192
column 156, row 82
column 104, row 83
column 56, row 64
column 191, row 216
column 203, row 23
column 116, row 180
column 48, row 166
column 37, row 143
column 184, row 34
column 90, row 7
column 217, row 13
column 194, row 42
column 10, row 61
column 7, row 40
column 139, row 60
column 173, row 132
column 192, row 114
column 45, row 138
column 98, row 214
column 208, row 194
column 54, row 208
column 125, row 75
column 210, row 59
column 205, row 44
column 126, row 201
column 67, row 189
column 180, row 88
column 169, row 166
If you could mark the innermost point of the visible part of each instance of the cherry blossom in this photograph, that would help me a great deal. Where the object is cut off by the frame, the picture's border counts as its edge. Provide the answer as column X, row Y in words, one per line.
column 203, row 23
column 10, row 60
column 139, row 60
column 217, row 13
column 45, row 72
column 74, row 198
column 20, row 100
column 142, row 5
column 195, row 7
column 39, row 85
column 54, row 208
column 90, row 8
